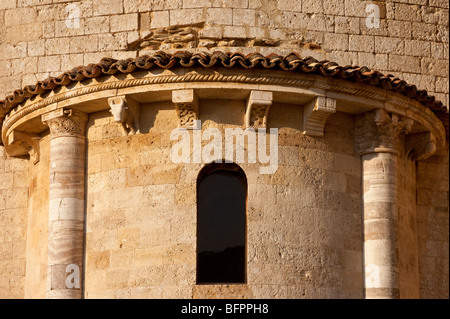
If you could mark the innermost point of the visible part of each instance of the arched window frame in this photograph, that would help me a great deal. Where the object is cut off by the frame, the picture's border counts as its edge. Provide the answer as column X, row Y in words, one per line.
column 234, row 170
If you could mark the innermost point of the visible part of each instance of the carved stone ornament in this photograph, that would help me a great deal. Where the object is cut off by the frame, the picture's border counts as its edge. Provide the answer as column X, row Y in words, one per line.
column 420, row 146
column 315, row 115
column 19, row 141
column 186, row 105
column 258, row 105
column 66, row 123
column 378, row 131
column 127, row 112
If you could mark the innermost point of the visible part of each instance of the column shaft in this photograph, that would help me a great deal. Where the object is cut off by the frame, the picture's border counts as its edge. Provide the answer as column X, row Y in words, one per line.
column 66, row 204
column 380, row 222
column 376, row 136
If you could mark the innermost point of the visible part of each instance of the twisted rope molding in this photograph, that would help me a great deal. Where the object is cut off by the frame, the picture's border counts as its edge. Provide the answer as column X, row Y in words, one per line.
column 14, row 116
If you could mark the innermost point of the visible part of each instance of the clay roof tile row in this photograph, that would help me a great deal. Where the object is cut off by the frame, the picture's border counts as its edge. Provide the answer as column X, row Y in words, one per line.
column 292, row 62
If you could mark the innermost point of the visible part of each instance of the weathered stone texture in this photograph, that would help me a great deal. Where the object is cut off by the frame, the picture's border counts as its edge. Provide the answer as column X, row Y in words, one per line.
column 432, row 226
column 141, row 211
column 408, row 31
column 13, row 217
column 37, row 234
column 141, row 218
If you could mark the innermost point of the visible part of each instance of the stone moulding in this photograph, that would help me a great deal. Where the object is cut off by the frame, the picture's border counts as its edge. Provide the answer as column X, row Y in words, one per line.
column 320, row 95
column 184, row 59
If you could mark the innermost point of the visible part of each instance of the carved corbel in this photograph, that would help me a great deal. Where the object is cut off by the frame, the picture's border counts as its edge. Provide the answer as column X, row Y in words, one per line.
column 127, row 112
column 258, row 105
column 186, row 105
column 315, row 115
column 22, row 143
column 420, row 146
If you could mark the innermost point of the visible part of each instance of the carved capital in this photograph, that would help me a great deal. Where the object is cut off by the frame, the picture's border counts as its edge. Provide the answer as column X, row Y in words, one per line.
column 258, row 105
column 21, row 143
column 186, row 105
column 66, row 123
column 378, row 131
column 420, row 146
column 315, row 115
column 127, row 112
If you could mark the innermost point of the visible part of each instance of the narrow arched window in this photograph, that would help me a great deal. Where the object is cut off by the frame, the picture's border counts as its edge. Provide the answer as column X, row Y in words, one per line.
column 221, row 224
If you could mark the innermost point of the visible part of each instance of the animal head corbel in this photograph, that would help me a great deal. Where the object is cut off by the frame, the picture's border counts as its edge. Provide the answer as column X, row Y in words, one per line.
column 126, row 112
column 118, row 108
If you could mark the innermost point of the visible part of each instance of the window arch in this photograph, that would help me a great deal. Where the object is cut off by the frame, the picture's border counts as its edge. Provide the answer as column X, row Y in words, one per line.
column 221, row 224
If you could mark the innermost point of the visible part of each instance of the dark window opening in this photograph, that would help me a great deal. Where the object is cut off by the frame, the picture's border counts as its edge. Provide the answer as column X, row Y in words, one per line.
column 221, row 224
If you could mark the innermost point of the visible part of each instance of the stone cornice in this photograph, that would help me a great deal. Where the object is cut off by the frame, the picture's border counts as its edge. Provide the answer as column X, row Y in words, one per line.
column 183, row 59
column 309, row 87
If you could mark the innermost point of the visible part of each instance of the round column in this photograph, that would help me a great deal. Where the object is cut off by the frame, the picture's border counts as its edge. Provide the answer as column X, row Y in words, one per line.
column 376, row 141
column 66, row 203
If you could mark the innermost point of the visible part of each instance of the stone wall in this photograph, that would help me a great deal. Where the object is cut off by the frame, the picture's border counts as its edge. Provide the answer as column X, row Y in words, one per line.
column 13, row 221
column 411, row 41
column 39, row 38
column 432, row 226
column 407, row 227
column 141, row 211
column 38, row 224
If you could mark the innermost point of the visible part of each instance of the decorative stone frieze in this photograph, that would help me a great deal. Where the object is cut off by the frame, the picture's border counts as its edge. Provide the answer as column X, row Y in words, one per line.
column 315, row 115
column 125, row 111
column 258, row 105
column 186, row 105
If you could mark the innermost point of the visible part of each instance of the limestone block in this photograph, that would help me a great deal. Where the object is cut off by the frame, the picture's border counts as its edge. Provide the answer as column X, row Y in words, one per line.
column 6, row 180
column 230, row 3
column 185, row 16
column 236, row 32
column 364, row 43
column 196, row 3
column 311, row 6
column 221, row 16
column 124, row 22
column 404, row 63
column 19, row 15
column 159, row 19
column 335, row 41
column 83, row 44
column 334, row 7
column 105, row 7
column 434, row 67
column 128, row 237
column 244, row 17
column 98, row 260
column 8, row 4
column 287, row 5
column 389, row 45
column 94, row 25
column 407, row 12
column 347, row 25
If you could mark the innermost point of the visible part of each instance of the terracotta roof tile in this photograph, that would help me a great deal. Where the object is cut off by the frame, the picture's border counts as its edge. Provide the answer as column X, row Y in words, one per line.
column 292, row 62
